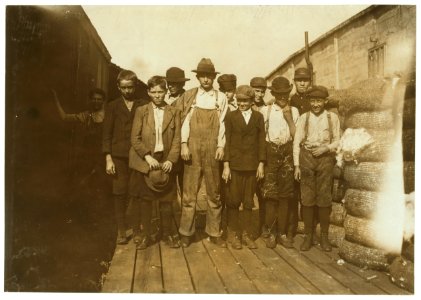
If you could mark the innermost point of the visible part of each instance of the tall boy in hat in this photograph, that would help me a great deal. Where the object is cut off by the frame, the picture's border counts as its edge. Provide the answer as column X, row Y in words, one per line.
column 155, row 149
column 259, row 86
column 316, row 139
column 227, row 85
column 244, row 159
column 203, row 110
column 278, row 187
column 176, row 81
column 116, row 144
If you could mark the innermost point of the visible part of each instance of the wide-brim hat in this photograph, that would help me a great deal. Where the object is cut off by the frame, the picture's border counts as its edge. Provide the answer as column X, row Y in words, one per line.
column 205, row 66
column 281, row 85
column 175, row 74
column 157, row 180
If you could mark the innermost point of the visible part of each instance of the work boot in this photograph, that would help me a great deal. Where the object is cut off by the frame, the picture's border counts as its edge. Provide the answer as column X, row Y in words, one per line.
column 236, row 243
column 324, row 242
column 218, row 241
column 144, row 243
column 265, row 232
column 247, row 241
column 284, row 241
column 315, row 239
column 185, row 241
column 137, row 237
column 122, row 238
column 172, row 241
column 290, row 237
column 307, row 243
column 270, row 241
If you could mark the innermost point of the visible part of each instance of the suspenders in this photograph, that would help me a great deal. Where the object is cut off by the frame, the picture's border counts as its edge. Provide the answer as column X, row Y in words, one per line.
column 329, row 120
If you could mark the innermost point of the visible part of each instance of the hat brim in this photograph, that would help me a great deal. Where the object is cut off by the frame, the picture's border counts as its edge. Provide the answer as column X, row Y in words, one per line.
column 302, row 77
column 176, row 79
column 156, row 188
column 206, row 72
column 281, row 90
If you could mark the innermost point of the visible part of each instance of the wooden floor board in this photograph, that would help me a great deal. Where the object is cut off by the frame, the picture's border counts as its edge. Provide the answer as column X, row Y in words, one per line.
column 148, row 276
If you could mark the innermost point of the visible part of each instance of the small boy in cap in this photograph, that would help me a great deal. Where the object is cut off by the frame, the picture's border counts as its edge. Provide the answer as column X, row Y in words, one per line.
column 278, row 187
column 316, row 139
column 244, row 159
column 259, row 86
column 227, row 85
column 155, row 140
column 176, row 81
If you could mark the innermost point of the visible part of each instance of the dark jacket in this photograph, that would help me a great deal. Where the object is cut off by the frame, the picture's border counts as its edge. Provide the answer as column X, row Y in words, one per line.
column 245, row 143
column 143, row 136
column 185, row 101
column 118, row 126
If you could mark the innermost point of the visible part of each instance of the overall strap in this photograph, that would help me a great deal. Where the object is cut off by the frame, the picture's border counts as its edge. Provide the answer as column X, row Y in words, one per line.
column 329, row 120
column 267, row 120
column 306, row 126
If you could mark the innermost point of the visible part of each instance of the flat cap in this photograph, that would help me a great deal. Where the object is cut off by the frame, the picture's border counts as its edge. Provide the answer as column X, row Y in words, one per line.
column 227, row 82
column 302, row 73
column 244, row 92
column 318, row 91
column 258, row 82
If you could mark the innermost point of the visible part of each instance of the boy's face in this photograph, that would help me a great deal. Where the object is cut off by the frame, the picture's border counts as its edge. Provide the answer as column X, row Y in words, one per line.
column 259, row 93
column 157, row 95
column 317, row 105
column 127, row 89
column 230, row 94
column 96, row 102
column 302, row 85
column 281, row 99
column 175, row 87
column 206, row 80
column 244, row 104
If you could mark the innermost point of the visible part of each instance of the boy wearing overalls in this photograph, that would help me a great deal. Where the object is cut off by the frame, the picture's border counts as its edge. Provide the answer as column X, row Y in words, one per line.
column 316, row 139
column 203, row 111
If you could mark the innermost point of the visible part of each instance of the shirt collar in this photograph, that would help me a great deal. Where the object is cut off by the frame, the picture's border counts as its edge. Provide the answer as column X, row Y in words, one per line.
column 246, row 112
column 210, row 92
column 157, row 107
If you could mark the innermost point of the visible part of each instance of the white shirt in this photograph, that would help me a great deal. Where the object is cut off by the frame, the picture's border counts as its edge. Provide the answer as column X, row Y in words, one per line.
column 158, row 113
column 246, row 115
column 207, row 100
column 277, row 127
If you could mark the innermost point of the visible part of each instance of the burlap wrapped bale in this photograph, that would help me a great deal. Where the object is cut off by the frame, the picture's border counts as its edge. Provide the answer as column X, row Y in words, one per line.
column 380, row 148
column 409, row 176
column 408, row 144
column 338, row 214
column 365, row 175
column 363, row 256
column 360, row 203
column 402, row 273
column 360, row 231
column 370, row 120
column 338, row 190
column 336, row 234
column 408, row 115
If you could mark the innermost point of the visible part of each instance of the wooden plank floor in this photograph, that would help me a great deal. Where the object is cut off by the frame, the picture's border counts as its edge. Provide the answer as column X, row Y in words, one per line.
column 204, row 268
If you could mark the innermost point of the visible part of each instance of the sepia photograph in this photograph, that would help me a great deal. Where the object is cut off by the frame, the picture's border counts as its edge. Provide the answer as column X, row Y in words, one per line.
column 214, row 148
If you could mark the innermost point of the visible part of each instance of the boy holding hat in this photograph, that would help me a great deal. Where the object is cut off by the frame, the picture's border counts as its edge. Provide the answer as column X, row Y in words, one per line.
column 117, row 126
column 227, row 85
column 316, row 139
column 278, row 187
column 203, row 111
column 155, row 149
column 244, row 159
column 176, row 81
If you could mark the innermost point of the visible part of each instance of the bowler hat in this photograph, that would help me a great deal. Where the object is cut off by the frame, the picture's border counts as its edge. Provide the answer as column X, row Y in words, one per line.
column 244, row 92
column 302, row 73
column 157, row 180
column 318, row 91
column 175, row 74
column 227, row 82
column 258, row 82
column 205, row 66
column 281, row 85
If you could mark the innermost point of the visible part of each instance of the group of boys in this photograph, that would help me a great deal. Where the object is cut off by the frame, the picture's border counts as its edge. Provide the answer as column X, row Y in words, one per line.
column 234, row 141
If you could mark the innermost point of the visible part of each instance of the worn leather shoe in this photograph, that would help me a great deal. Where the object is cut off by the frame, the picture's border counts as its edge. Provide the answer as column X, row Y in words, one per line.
column 122, row 240
column 218, row 241
column 236, row 243
column 143, row 244
column 247, row 241
column 265, row 232
column 185, row 241
column 284, row 241
column 307, row 243
column 270, row 241
column 172, row 241
column 324, row 242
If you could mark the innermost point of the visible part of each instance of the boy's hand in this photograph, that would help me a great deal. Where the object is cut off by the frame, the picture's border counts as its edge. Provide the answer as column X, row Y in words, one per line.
column 167, row 166
column 219, row 155
column 226, row 174
column 260, row 174
column 109, row 165
column 152, row 162
column 297, row 173
column 317, row 151
column 185, row 152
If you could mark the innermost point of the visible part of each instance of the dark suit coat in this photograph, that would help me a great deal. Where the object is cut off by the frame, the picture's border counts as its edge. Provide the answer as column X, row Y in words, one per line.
column 118, row 126
column 143, row 136
column 245, row 143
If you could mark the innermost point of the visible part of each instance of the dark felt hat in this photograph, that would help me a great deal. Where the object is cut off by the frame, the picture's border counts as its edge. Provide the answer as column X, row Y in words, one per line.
column 318, row 91
column 157, row 180
column 281, row 85
column 258, row 82
column 302, row 73
column 175, row 74
column 227, row 82
column 244, row 92
column 205, row 66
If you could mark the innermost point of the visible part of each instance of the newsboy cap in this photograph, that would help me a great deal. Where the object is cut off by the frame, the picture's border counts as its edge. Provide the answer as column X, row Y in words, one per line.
column 205, row 66
column 157, row 180
column 281, row 85
column 227, row 82
column 318, row 91
column 258, row 82
column 244, row 92
column 175, row 74
column 302, row 73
